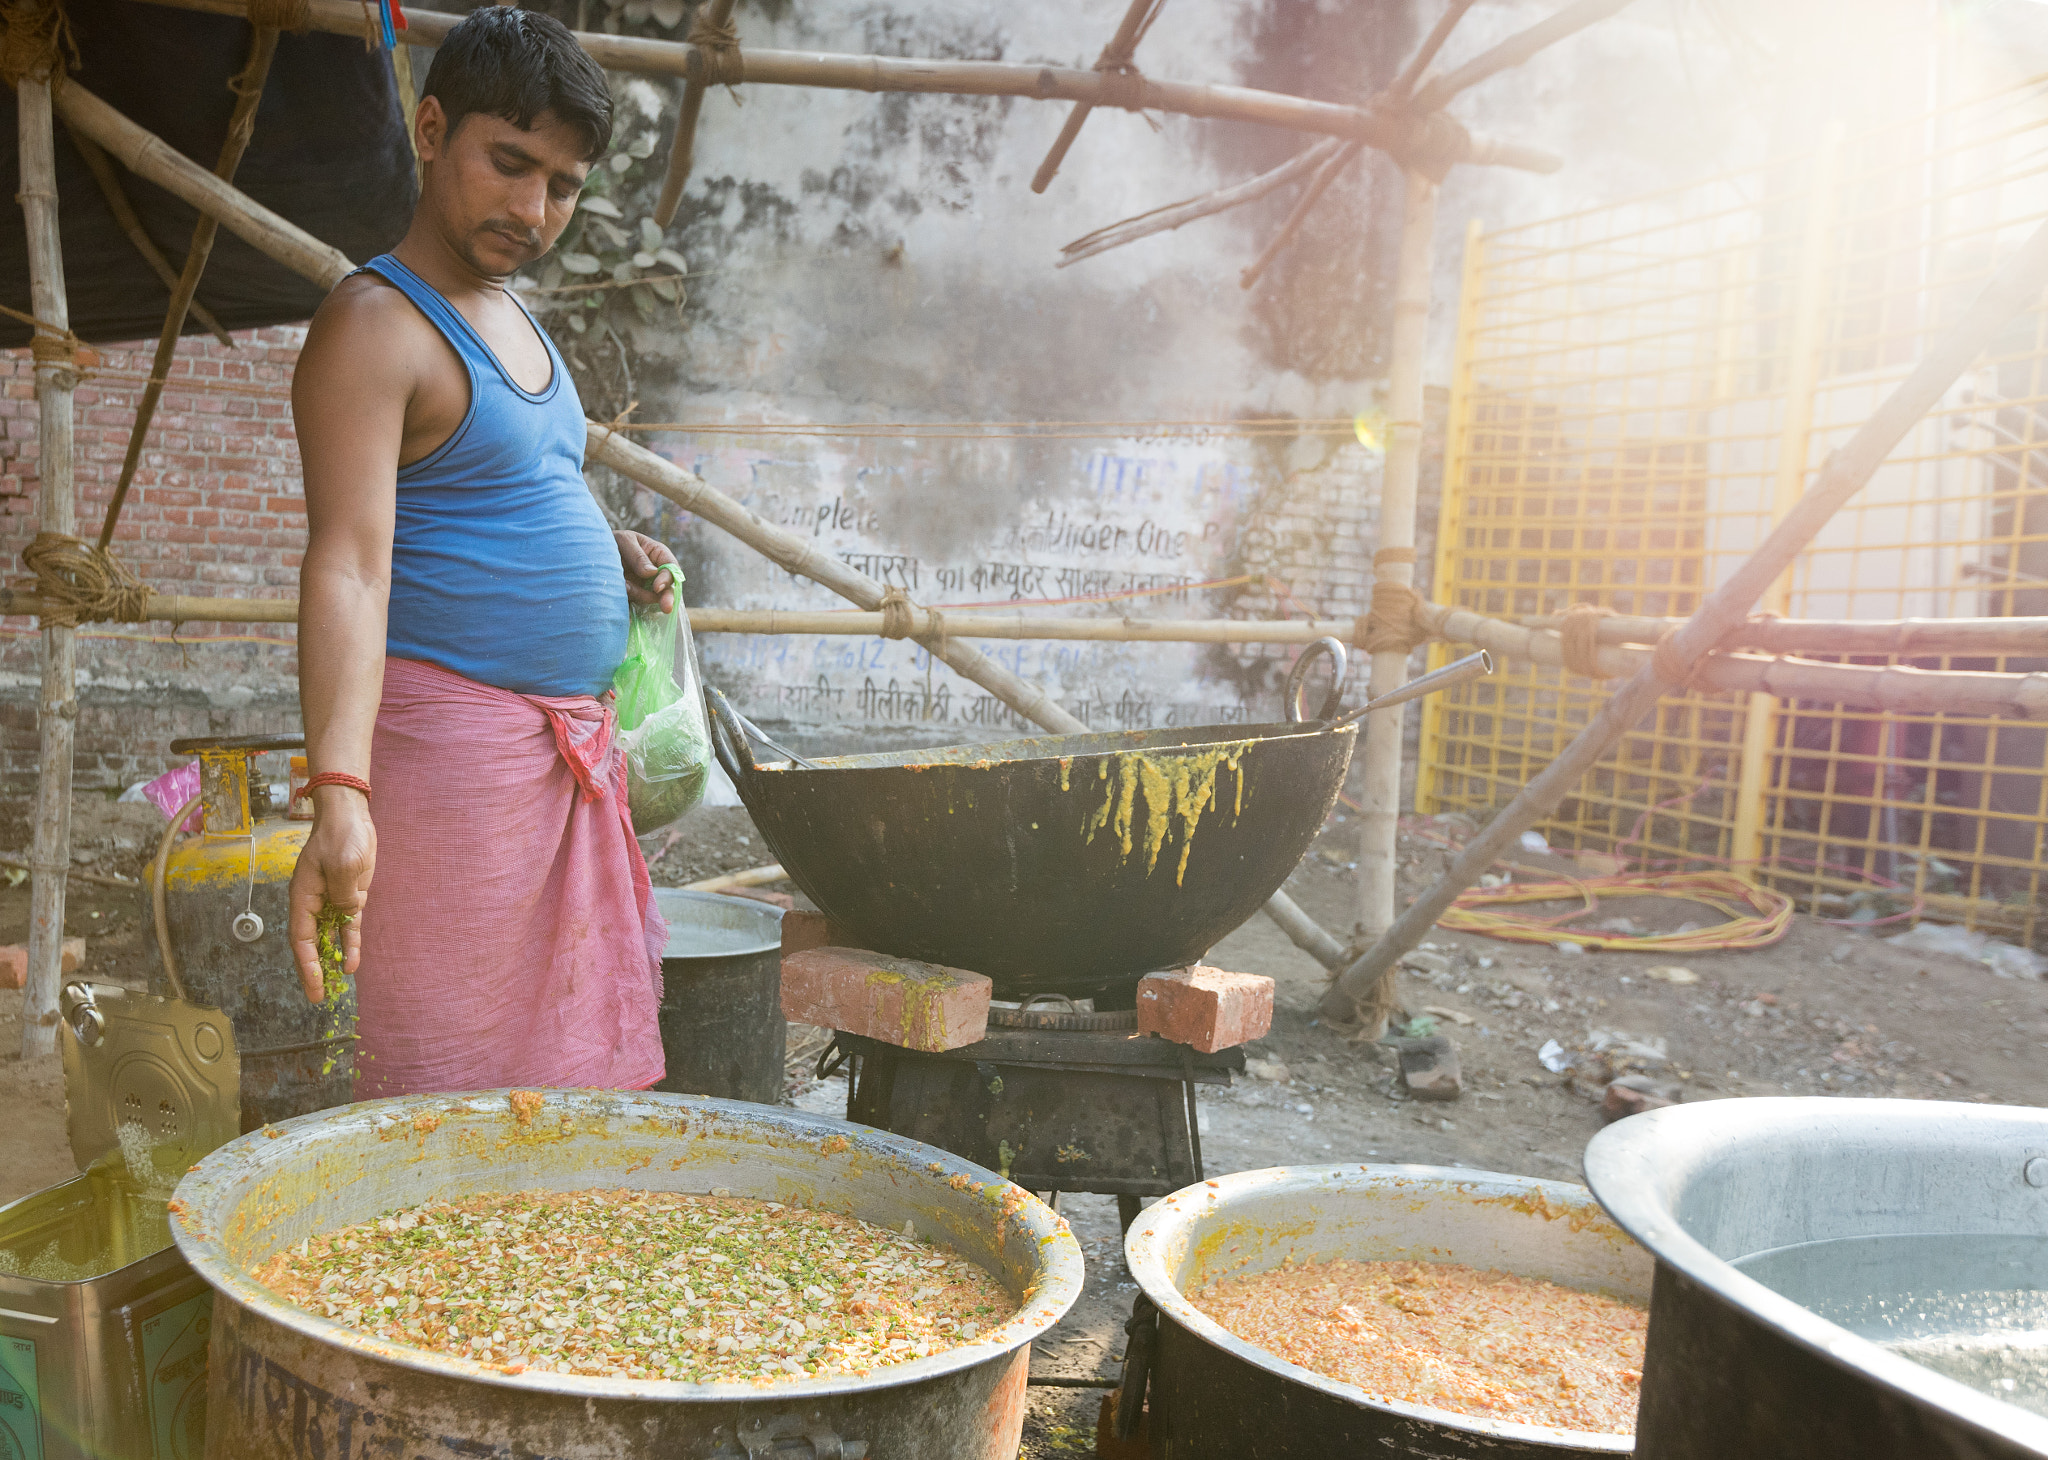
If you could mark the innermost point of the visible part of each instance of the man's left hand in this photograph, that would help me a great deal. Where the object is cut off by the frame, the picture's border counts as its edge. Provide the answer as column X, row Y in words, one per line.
column 642, row 557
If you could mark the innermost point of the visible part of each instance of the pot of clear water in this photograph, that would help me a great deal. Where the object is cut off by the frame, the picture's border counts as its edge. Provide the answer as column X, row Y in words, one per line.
column 1838, row 1279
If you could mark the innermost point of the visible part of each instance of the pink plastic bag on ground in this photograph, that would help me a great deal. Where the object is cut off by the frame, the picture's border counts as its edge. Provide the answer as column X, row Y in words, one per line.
column 173, row 789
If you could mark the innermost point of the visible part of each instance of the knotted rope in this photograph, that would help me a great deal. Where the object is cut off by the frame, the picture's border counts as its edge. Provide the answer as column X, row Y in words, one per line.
column 53, row 344
column 1393, row 623
column 34, row 34
column 79, row 583
column 1579, row 639
column 718, row 42
column 900, row 618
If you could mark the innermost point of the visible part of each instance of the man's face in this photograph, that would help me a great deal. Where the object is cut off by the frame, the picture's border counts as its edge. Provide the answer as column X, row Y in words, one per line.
column 499, row 195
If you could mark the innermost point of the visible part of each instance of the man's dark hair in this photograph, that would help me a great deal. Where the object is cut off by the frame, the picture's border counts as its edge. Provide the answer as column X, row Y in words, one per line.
column 505, row 61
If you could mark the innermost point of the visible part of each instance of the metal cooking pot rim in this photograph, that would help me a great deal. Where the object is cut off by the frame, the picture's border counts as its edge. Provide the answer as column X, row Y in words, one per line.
column 992, row 758
column 1634, row 1164
column 218, row 1176
column 1146, row 1244
column 765, row 939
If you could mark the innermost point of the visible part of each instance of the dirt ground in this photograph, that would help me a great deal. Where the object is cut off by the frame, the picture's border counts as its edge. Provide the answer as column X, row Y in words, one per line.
column 1826, row 1011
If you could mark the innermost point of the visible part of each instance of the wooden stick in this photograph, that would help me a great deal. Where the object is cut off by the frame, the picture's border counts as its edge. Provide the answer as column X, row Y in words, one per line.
column 149, row 156
column 1173, row 215
column 1418, row 64
column 752, row 877
column 2016, row 286
column 1516, row 49
column 636, row 54
column 717, row 15
column 1303, row 206
column 131, row 224
column 57, row 713
column 1115, row 56
column 248, row 89
column 1907, row 637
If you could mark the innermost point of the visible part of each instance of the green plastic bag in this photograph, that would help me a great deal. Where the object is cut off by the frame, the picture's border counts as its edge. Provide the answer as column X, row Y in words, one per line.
column 660, row 704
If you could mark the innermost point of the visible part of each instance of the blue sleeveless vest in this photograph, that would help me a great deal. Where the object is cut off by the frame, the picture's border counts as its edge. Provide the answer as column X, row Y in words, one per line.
column 503, row 568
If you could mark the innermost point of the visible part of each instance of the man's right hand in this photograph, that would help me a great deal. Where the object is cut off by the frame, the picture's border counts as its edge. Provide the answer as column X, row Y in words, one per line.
column 334, row 870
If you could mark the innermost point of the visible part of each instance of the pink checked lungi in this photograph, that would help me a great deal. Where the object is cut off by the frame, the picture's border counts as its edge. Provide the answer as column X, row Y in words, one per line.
column 511, row 936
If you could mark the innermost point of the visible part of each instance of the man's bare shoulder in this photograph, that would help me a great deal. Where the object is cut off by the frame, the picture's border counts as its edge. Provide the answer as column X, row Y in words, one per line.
column 366, row 322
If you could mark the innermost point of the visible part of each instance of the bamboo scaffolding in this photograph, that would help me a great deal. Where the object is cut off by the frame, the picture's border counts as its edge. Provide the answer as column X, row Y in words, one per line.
column 717, row 16
column 1116, row 56
column 1858, row 686
column 130, row 223
column 56, row 374
column 1907, row 637
column 149, row 157
column 248, row 89
column 1174, row 215
column 1399, row 134
column 2017, row 286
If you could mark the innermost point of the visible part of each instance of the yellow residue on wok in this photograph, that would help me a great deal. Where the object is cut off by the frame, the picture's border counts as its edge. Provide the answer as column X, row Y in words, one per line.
column 1177, row 790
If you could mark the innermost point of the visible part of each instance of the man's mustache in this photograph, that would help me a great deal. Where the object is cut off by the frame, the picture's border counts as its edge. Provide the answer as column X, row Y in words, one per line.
column 528, row 236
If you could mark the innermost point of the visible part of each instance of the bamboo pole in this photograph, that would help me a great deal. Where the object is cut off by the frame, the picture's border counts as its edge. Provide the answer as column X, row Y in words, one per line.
column 681, row 149
column 150, row 157
column 2015, row 287
column 57, row 710
column 130, row 223
column 1860, row 686
column 1516, row 49
column 1394, row 559
column 1395, row 133
column 1856, row 686
column 1906, row 637
column 248, row 89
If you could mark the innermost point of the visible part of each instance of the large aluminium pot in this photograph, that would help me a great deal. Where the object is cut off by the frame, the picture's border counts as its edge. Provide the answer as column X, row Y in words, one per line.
column 722, row 1030
column 1216, row 1397
column 1063, row 863
column 288, row 1384
column 1805, row 1246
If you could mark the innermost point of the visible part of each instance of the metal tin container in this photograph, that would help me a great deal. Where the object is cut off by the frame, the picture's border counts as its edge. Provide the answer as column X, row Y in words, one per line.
column 1214, row 1395
column 722, row 1030
column 110, row 1365
column 288, row 1384
column 1870, row 1219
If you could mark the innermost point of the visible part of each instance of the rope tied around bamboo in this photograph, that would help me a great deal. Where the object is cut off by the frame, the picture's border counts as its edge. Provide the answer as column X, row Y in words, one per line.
column 718, row 42
column 1578, row 639
column 54, row 344
column 80, row 583
column 900, row 618
column 1394, row 621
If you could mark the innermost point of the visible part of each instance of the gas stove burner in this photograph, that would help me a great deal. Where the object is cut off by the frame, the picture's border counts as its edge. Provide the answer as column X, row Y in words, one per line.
column 1035, row 1015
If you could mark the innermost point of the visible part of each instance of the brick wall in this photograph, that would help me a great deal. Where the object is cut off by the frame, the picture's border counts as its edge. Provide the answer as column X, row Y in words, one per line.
column 216, row 508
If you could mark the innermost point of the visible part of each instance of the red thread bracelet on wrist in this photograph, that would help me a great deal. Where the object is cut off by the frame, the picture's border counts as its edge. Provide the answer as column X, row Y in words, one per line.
column 338, row 778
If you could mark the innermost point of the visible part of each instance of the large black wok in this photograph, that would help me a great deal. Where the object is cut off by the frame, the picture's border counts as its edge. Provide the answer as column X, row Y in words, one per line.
column 1069, row 863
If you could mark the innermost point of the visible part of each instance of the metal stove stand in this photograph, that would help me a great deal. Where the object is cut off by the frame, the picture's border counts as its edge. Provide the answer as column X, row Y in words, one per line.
column 1108, row 1111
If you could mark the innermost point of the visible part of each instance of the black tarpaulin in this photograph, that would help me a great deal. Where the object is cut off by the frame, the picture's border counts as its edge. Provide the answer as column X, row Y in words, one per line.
column 329, row 152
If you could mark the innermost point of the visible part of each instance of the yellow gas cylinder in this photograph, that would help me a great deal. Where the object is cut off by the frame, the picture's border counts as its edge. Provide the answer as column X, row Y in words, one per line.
column 221, row 912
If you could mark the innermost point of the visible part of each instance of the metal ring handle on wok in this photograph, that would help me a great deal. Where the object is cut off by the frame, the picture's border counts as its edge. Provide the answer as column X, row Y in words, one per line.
column 1297, row 678
column 740, row 729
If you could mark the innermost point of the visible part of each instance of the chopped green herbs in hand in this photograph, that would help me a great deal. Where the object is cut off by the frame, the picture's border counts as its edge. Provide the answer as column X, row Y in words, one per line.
column 643, row 1285
column 327, row 930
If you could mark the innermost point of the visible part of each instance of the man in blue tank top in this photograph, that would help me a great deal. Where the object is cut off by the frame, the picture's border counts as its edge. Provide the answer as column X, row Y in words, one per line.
column 463, row 607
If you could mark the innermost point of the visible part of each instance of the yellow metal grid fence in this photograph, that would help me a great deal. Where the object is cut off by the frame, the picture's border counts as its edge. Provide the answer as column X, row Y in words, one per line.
column 1640, row 390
